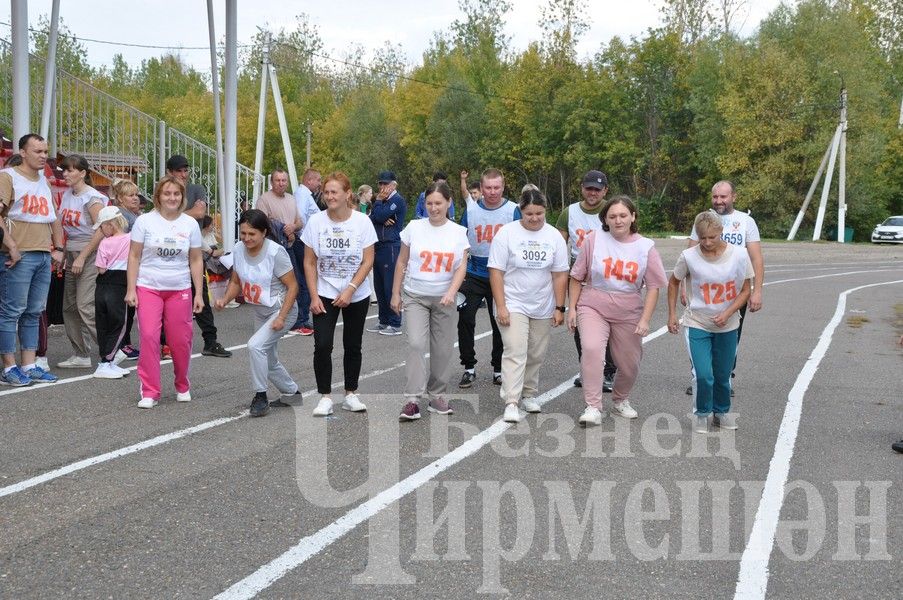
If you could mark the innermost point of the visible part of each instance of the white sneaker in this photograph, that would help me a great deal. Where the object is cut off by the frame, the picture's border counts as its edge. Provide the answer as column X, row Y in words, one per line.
column 324, row 407
column 183, row 396
column 700, row 423
column 512, row 414
column 107, row 371
column 531, row 405
column 75, row 362
column 147, row 403
column 623, row 409
column 41, row 361
column 120, row 356
column 119, row 369
column 591, row 416
column 353, row 403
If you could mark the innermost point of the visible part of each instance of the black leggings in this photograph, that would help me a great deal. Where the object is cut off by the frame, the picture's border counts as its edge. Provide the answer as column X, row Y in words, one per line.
column 110, row 312
column 354, row 316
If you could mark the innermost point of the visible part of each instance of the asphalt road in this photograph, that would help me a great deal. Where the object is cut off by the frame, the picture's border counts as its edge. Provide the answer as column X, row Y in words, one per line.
column 101, row 499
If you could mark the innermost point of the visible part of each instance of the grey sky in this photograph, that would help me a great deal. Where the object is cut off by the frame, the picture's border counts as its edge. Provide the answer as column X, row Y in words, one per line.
column 410, row 23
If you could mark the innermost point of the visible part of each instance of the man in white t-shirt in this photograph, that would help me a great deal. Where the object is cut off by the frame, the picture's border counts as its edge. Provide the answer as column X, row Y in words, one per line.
column 739, row 229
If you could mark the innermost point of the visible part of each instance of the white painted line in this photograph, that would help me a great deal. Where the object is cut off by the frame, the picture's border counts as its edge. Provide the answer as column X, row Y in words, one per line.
column 162, row 439
column 752, row 582
column 311, row 545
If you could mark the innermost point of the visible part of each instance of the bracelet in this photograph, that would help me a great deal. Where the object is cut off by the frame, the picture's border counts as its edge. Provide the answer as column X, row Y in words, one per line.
column 351, row 283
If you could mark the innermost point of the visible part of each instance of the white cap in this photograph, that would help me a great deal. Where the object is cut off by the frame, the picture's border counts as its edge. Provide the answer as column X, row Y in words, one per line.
column 107, row 213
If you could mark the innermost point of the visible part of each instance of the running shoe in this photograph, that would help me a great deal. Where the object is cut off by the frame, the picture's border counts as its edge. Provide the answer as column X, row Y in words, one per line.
column 15, row 377
column 148, row 403
column 591, row 416
column 410, row 412
column 40, row 375
column 41, row 361
column 608, row 383
column 259, row 405
column 512, row 414
column 183, row 396
column 376, row 328
column 75, row 362
column 105, row 371
column 119, row 357
column 324, row 407
column 389, row 330
column 496, row 379
column 724, row 421
column 353, row 403
column 467, row 379
column 165, row 352
column 131, row 353
column 304, row 330
column 700, row 424
column 439, row 406
column 623, row 409
column 216, row 349
column 897, row 446
column 531, row 405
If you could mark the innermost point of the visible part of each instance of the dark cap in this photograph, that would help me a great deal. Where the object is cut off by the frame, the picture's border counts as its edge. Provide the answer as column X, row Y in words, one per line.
column 386, row 177
column 176, row 162
column 595, row 179
column 439, row 175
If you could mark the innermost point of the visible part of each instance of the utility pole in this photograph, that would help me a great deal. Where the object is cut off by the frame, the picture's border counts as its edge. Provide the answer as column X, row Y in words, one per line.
column 261, row 113
column 307, row 162
column 842, row 175
column 217, row 114
column 21, row 84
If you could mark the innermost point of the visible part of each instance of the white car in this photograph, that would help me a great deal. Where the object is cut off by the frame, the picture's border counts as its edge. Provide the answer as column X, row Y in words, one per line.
column 891, row 231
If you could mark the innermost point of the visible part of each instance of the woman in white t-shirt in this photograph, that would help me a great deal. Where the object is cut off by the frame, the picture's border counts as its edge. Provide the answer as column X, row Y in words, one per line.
column 718, row 276
column 338, row 255
column 528, row 265
column 613, row 266
column 263, row 273
column 79, row 208
column 164, row 260
column 431, row 266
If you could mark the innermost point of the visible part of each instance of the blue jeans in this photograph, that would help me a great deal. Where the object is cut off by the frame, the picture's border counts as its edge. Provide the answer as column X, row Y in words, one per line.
column 296, row 253
column 385, row 255
column 23, row 297
column 713, row 358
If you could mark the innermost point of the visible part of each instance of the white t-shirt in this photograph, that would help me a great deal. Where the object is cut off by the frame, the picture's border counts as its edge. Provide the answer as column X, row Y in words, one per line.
column 528, row 259
column 340, row 250
column 164, row 258
column 260, row 275
column 580, row 223
column 436, row 253
column 713, row 285
column 738, row 229
column 76, row 218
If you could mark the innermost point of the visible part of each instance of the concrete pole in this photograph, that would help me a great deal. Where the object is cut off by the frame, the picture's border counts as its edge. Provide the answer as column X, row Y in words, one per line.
column 217, row 115
column 842, row 175
column 826, row 189
column 231, row 138
column 50, row 70
column 161, row 165
column 307, row 162
column 283, row 129
column 810, row 193
column 261, row 115
column 21, row 83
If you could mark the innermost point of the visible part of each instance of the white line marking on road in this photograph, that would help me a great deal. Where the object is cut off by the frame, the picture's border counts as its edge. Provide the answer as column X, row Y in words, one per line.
column 162, row 439
column 752, row 582
column 311, row 545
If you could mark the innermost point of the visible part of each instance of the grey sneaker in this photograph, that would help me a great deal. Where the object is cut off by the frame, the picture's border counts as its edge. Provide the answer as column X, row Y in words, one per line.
column 700, row 423
column 467, row 379
column 440, row 406
column 376, row 328
column 725, row 421
column 389, row 330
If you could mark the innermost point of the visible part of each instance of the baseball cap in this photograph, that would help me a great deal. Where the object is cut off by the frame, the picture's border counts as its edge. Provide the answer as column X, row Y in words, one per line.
column 107, row 213
column 176, row 162
column 595, row 179
column 386, row 176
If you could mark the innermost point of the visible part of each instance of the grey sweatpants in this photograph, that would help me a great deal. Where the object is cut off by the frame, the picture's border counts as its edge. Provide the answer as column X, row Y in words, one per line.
column 431, row 328
column 265, row 363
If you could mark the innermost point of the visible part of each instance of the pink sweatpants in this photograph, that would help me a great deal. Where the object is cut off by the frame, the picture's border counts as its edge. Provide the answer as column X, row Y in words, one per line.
column 602, row 316
column 172, row 311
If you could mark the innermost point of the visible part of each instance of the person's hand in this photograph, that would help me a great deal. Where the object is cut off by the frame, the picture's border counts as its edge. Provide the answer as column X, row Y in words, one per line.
column 464, row 174
column 683, row 296
column 219, row 303
column 78, row 265
column 58, row 258
column 316, row 305
column 572, row 320
column 14, row 257
column 389, row 222
column 755, row 300
column 198, row 304
column 217, row 253
column 721, row 319
column 289, row 228
column 344, row 298
column 395, row 303
column 673, row 325
column 291, row 238
column 278, row 323
column 131, row 298
column 502, row 316
column 557, row 318
column 642, row 328
column 448, row 298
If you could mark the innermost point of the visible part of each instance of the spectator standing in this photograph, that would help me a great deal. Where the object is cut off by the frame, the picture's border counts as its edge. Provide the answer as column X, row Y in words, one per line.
column 387, row 213
column 307, row 207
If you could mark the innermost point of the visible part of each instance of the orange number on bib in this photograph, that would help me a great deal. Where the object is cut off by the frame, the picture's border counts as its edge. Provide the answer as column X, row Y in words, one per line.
column 251, row 292
column 427, row 257
column 716, row 293
column 485, row 233
column 621, row 271
column 581, row 234
column 71, row 218
column 35, row 205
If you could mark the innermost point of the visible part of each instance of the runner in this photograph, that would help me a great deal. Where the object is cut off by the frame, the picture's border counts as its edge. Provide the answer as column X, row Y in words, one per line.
column 110, row 309
column 575, row 222
column 434, row 255
column 483, row 219
column 165, row 265
column 528, row 266
column 339, row 255
column 78, row 212
column 263, row 272
column 606, row 307
column 719, row 284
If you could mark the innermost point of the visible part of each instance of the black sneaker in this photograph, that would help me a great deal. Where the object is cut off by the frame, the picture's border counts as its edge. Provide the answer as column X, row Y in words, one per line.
column 467, row 379
column 897, row 446
column 497, row 379
column 259, row 406
column 283, row 404
column 578, row 382
column 608, row 383
column 216, row 349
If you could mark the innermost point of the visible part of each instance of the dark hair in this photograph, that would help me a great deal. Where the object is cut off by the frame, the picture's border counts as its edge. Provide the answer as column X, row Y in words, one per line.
column 257, row 219
column 23, row 141
column 206, row 221
column 441, row 187
column 534, row 197
column 626, row 201
column 79, row 163
column 440, row 175
column 474, row 185
column 14, row 160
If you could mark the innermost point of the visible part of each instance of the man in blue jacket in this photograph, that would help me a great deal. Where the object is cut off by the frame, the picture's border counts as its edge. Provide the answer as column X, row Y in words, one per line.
column 387, row 212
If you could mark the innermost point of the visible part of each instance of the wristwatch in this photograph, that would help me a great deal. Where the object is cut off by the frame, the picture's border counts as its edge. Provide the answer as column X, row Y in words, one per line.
column 58, row 249
column 561, row 308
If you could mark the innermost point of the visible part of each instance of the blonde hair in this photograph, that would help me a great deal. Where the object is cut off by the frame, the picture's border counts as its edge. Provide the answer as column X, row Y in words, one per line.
column 120, row 221
column 706, row 221
column 123, row 187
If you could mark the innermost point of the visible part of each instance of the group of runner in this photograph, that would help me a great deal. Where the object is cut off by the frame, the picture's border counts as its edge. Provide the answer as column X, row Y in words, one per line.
column 592, row 272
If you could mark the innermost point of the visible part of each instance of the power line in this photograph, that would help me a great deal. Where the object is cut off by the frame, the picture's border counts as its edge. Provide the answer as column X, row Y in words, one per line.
column 125, row 44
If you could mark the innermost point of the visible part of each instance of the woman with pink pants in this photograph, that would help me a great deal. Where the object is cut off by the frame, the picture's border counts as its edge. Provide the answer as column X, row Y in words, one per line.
column 606, row 302
column 164, row 259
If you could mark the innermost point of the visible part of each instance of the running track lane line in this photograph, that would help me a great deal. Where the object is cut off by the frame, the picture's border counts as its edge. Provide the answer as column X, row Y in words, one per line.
column 311, row 545
column 752, row 582
column 164, row 438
